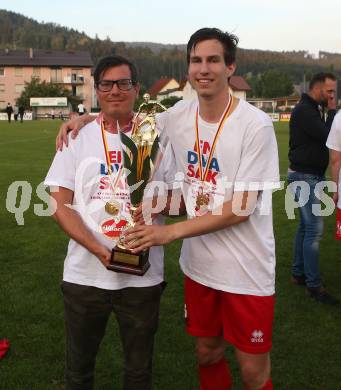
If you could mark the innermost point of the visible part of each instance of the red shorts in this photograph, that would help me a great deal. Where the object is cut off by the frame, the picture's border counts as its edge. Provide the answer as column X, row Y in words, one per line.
column 338, row 225
column 244, row 321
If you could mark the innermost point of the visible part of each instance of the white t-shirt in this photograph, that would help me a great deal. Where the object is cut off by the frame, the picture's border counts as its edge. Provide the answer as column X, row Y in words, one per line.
column 81, row 167
column 239, row 258
column 334, row 142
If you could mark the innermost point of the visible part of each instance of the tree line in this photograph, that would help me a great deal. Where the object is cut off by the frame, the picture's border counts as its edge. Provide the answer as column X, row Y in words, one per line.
column 155, row 61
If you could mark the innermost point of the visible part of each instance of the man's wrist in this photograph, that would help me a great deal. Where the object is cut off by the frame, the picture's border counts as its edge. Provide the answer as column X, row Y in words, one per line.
column 95, row 247
column 173, row 232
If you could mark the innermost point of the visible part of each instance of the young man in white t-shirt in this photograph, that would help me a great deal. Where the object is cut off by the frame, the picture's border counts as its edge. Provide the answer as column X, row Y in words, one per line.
column 226, row 151
column 91, row 292
column 334, row 145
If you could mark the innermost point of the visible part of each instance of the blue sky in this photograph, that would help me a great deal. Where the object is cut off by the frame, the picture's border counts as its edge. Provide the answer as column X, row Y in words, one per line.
column 260, row 24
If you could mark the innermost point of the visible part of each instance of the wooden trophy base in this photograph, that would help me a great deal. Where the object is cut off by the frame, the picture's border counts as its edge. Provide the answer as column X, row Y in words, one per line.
column 123, row 260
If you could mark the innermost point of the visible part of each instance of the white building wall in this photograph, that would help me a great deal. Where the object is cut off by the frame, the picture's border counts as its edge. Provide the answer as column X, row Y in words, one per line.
column 239, row 94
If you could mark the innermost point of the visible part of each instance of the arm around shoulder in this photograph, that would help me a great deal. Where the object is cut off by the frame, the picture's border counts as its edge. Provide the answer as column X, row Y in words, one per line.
column 74, row 125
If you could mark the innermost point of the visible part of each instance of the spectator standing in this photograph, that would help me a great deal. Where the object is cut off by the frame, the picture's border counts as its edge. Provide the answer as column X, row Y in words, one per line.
column 81, row 109
column 9, row 111
column 310, row 124
column 16, row 112
column 21, row 113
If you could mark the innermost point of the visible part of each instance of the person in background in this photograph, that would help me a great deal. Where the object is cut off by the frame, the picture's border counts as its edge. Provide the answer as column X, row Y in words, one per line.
column 16, row 112
column 9, row 111
column 334, row 145
column 81, row 109
column 310, row 124
column 21, row 113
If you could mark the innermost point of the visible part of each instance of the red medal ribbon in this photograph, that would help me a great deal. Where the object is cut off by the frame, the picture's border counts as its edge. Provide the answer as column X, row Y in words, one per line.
column 203, row 175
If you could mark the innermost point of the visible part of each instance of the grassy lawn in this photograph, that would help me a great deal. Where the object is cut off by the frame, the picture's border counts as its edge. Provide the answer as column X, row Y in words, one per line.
column 307, row 338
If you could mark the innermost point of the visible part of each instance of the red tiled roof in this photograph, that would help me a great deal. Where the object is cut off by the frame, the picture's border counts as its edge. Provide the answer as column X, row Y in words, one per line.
column 168, row 91
column 158, row 85
column 237, row 83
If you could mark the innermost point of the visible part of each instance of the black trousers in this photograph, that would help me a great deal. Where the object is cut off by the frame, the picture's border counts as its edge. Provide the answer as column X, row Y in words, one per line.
column 87, row 310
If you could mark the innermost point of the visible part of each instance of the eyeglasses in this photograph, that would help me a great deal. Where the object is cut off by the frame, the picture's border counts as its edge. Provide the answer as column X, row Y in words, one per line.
column 122, row 85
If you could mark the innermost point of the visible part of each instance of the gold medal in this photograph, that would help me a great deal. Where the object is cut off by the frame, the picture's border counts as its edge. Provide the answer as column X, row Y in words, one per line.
column 113, row 207
column 202, row 199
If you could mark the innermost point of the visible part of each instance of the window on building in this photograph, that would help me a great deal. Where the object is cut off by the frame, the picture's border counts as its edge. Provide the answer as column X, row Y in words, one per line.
column 2, row 71
column 77, row 75
column 2, row 88
column 19, row 88
column 56, row 75
column 3, row 104
column 36, row 73
column 18, row 71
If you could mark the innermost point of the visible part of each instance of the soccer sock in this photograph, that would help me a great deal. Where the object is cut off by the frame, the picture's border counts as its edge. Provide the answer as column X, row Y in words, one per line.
column 216, row 376
column 268, row 386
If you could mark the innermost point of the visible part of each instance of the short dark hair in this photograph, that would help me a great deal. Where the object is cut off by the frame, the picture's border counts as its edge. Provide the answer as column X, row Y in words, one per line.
column 320, row 78
column 108, row 62
column 229, row 42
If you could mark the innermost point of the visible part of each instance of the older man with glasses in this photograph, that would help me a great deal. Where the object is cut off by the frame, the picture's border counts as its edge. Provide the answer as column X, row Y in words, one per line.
column 87, row 174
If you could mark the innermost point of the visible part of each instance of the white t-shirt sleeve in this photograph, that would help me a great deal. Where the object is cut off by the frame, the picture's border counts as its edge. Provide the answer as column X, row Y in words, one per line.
column 334, row 143
column 167, row 168
column 161, row 120
column 259, row 167
column 62, row 172
column 164, row 120
column 334, row 138
column 161, row 126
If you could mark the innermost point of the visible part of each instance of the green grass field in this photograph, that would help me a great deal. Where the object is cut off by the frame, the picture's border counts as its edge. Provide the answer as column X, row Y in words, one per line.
column 307, row 338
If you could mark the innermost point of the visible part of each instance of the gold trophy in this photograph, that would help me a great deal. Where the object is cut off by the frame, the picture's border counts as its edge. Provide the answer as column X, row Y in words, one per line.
column 140, row 152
